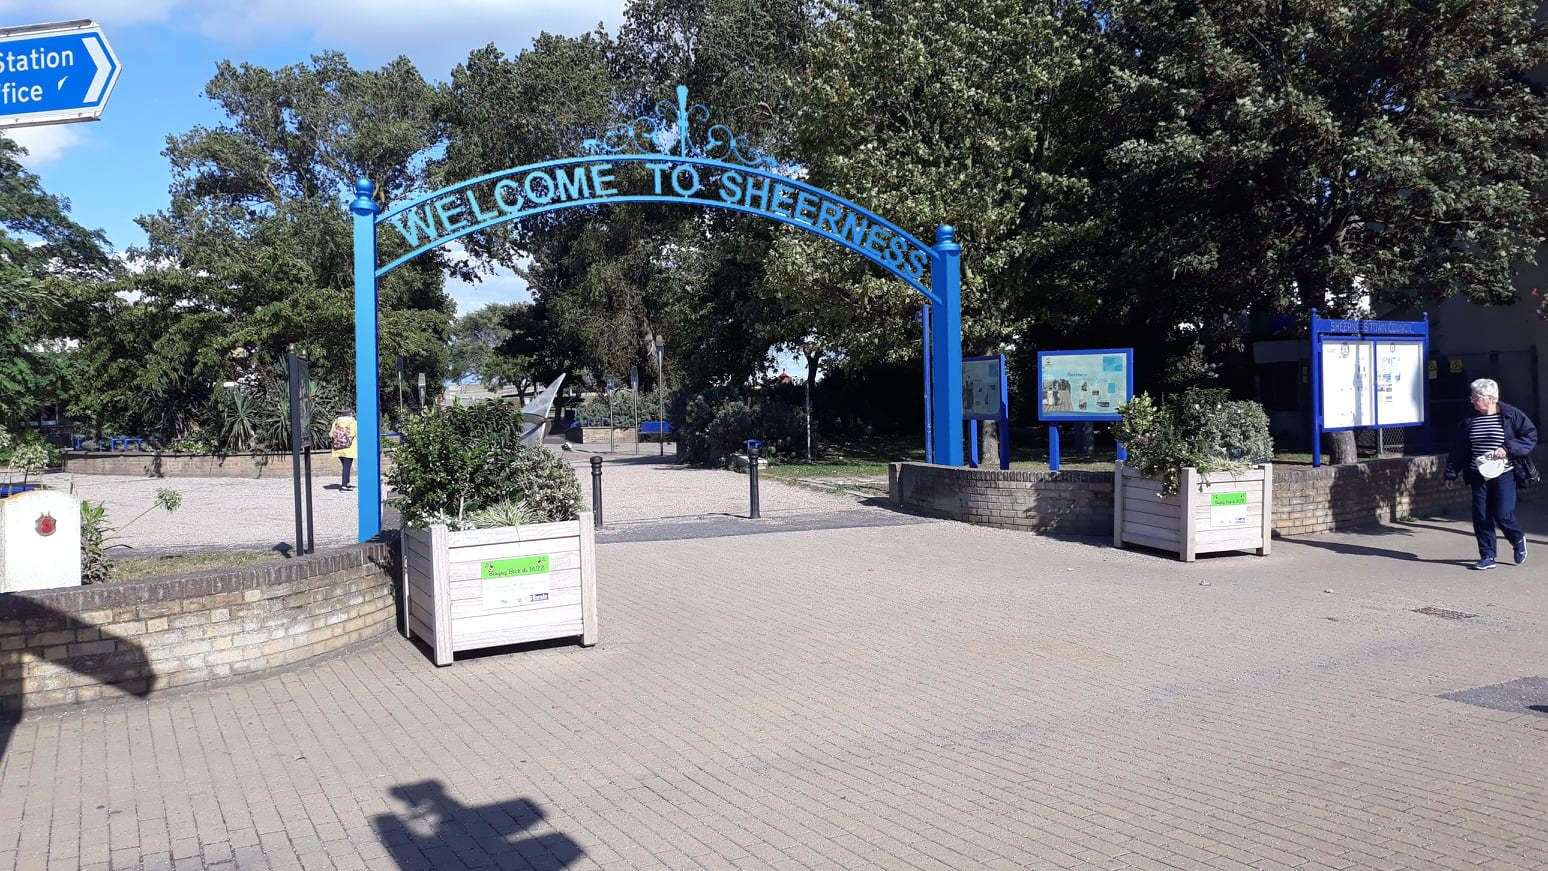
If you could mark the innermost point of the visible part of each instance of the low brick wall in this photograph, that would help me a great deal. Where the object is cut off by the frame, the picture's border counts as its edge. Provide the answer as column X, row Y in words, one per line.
column 1330, row 498
column 1306, row 500
column 157, row 465
column 1073, row 502
column 82, row 643
column 598, row 435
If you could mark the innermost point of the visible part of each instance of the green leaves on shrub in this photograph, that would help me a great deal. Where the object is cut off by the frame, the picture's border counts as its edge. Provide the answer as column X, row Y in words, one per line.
column 714, row 426
column 459, row 460
column 1204, row 429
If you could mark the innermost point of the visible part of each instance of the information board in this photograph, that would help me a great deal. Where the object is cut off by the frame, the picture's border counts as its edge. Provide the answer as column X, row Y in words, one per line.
column 1399, row 383
column 982, row 388
column 1084, row 385
column 1348, row 384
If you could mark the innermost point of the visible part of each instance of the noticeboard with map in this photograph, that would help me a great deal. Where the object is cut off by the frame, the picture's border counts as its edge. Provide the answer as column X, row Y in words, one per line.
column 1084, row 385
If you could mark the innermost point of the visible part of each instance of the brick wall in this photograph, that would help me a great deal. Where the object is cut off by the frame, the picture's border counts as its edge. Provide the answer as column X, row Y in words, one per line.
column 1074, row 502
column 1306, row 500
column 157, row 465
column 82, row 643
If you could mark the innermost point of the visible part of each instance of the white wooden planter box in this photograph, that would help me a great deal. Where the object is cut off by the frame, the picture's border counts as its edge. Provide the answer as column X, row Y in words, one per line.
column 505, row 585
column 1220, row 511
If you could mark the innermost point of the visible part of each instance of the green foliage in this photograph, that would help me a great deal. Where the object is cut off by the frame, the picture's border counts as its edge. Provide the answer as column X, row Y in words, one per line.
column 458, row 460
column 98, row 534
column 1202, row 429
column 26, row 456
column 96, row 566
column 627, row 408
column 718, row 424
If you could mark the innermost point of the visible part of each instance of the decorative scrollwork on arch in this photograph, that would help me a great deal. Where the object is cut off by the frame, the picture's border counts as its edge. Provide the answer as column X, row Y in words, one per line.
column 669, row 131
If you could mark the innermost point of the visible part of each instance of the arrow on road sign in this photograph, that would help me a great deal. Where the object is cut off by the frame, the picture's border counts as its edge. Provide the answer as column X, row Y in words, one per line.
column 55, row 73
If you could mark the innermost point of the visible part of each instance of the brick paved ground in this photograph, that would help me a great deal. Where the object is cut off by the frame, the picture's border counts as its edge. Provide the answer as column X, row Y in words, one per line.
column 922, row 696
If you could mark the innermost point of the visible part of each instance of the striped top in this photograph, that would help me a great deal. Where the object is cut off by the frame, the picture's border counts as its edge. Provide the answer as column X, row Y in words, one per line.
column 1485, row 433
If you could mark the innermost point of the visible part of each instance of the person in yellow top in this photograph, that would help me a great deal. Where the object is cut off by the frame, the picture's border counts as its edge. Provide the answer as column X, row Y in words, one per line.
column 343, row 434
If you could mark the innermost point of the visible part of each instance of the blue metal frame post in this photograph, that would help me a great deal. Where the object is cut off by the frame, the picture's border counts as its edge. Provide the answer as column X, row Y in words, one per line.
column 1316, row 380
column 1004, row 422
column 1053, row 447
column 925, row 328
column 946, row 339
column 368, row 440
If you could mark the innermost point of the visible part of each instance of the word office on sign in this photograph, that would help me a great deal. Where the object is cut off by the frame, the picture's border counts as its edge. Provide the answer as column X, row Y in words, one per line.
column 54, row 73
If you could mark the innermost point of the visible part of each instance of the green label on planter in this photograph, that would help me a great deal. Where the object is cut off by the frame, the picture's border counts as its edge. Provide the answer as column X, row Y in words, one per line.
column 514, row 567
column 1218, row 499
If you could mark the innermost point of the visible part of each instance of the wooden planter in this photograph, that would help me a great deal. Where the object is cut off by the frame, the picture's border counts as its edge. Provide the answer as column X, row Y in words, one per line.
column 506, row 585
column 1221, row 511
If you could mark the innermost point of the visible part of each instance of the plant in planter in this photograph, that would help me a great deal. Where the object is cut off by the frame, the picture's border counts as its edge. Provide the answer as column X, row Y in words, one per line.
column 496, row 549
column 1197, row 479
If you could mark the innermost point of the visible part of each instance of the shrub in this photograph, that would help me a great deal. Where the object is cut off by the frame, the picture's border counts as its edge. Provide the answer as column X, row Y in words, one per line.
column 1204, row 429
column 628, row 409
column 459, row 460
column 97, row 534
column 714, row 426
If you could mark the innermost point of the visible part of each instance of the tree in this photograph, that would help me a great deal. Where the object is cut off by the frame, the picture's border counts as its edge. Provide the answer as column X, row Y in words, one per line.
column 45, row 259
column 1282, row 157
column 253, row 255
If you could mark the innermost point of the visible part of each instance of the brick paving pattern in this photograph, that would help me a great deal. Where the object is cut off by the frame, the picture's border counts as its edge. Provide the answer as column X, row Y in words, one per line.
column 923, row 696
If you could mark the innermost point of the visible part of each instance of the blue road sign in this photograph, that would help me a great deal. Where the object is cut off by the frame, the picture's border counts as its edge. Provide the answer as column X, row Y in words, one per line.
column 55, row 73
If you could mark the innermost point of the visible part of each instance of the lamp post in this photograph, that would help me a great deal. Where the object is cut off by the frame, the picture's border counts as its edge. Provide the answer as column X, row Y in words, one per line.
column 660, row 398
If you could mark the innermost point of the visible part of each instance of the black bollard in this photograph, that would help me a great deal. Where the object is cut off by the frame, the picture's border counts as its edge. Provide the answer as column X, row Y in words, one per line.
column 596, row 491
column 752, row 477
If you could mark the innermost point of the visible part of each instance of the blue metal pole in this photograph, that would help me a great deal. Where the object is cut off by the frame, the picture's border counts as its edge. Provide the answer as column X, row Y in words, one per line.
column 1004, row 422
column 946, row 326
column 925, row 328
column 368, row 440
column 973, row 456
column 1123, row 453
column 1316, row 385
column 1053, row 447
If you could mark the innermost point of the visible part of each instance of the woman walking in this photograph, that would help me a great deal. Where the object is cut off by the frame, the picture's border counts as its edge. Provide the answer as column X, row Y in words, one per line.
column 1492, row 452
column 343, row 434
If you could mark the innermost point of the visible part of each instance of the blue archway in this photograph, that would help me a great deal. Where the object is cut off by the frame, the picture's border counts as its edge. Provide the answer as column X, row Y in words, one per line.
column 718, row 172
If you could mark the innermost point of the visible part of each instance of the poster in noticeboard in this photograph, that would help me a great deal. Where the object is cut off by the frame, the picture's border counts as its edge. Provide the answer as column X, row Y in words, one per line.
column 1348, row 385
column 1400, row 373
column 981, row 387
column 1084, row 385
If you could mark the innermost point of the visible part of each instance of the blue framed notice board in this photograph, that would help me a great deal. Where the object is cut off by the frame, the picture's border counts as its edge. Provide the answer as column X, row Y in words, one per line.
column 986, row 396
column 1082, row 387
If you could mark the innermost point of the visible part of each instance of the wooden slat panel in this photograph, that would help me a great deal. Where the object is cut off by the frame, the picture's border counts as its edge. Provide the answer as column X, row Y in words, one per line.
column 420, row 553
column 1158, row 533
column 421, row 611
column 468, row 570
column 1229, row 539
column 421, row 629
column 531, row 532
column 462, row 591
column 588, row 581
column 1147, row 541
column 469, row 608
column 1133, row 494
column 443, row 630
column 1226, row 479
column 520, row 634
column 468, row 627
column 515, row 548
column 1218, row 546
column 1152, row 513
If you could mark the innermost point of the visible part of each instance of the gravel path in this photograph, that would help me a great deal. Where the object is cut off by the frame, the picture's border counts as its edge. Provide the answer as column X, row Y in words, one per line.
column 259, row 513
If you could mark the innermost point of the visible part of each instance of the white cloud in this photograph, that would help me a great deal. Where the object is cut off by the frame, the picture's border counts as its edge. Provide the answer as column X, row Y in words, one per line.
column 45, row 144
column 101, row 11
column 501, row 286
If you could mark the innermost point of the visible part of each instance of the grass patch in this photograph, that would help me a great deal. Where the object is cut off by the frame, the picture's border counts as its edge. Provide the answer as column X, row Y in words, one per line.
column 140, row 568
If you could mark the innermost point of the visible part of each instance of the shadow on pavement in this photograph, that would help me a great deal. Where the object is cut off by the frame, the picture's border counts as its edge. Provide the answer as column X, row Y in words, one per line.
column 437, row 831
column 121, row 663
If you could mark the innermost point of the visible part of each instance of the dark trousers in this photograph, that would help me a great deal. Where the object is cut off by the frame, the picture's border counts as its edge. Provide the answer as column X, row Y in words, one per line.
column 350, row 461
column 1494, row 504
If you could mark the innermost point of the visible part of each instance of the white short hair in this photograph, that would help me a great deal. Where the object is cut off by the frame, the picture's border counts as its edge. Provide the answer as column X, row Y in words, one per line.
column 1485, row 388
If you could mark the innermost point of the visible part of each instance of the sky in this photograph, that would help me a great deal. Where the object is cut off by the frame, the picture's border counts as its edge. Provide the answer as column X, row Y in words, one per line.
column 112, row 170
